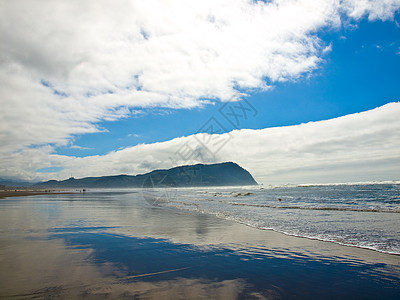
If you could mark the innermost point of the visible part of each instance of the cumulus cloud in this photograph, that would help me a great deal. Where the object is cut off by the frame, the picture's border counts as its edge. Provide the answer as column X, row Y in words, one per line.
column 375, row 10
column 67, row 65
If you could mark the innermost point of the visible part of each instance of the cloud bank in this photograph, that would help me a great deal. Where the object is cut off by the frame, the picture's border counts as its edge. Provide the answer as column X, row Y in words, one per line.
column 65, row 66
column 358, row 147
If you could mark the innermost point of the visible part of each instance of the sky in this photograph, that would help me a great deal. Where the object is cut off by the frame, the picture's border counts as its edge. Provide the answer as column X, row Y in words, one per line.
column 293, row 91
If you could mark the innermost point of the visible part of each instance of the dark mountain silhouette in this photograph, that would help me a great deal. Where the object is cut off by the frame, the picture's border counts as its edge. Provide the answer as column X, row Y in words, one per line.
column 14, row 183
column 222, row 174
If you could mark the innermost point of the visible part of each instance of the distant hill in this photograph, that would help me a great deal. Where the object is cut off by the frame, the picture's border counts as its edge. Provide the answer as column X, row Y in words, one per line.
column 10, row 183
column 222, row 174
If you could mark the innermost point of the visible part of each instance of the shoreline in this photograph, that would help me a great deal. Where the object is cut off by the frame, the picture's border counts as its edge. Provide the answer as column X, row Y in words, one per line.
column 331, row 242
column 295, row 239
column 32, row 192
column 285, row 234
column 120, row 246
column 315, row 239
column 21, row 193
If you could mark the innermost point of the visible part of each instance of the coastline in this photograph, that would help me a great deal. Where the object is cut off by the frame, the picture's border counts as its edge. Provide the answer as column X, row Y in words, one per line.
column 21, row 192
column 315, row 213
column 118, row 246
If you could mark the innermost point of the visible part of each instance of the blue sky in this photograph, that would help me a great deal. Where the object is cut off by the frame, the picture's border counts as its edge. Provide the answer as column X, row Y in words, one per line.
column 122, row 87
column 359, row 73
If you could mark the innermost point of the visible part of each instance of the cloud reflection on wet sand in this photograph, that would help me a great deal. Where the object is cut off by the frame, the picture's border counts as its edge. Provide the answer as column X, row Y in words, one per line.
column 116, row 246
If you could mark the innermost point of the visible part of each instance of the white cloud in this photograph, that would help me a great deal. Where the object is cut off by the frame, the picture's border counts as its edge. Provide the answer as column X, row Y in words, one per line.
column 358, row 147
column 67, row 65
column 79, row 147
column 327, row 49
column 382, row 9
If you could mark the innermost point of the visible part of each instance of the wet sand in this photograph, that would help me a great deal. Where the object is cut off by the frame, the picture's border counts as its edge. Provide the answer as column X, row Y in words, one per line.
column 19, row 193
column 118, row 246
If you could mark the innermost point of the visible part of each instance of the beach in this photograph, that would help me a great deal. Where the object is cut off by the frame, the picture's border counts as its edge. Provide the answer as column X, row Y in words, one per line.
column 120, row 245
column 28, row 192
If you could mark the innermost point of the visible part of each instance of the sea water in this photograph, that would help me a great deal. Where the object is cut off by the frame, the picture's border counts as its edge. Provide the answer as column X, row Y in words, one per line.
column 360, row 215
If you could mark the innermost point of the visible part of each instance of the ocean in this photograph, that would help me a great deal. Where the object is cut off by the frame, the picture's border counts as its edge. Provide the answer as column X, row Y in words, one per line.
column 359, row 215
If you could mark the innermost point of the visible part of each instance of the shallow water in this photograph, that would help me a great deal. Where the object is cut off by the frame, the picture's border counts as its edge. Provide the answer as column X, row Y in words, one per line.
column 366, row 216
column 112, row 244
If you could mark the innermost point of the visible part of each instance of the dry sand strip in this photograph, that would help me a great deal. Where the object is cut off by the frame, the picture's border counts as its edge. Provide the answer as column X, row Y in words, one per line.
column 18, row 193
